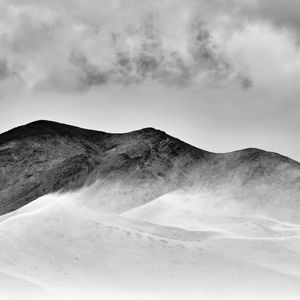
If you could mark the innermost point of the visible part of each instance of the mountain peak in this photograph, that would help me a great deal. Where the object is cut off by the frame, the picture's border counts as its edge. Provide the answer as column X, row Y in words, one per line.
column 44, row 156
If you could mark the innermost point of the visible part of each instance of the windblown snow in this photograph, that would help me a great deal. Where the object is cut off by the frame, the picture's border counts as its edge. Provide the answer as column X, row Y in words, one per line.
column 175, row 247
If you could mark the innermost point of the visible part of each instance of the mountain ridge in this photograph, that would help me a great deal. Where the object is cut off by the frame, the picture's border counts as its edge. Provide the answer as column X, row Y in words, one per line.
column 43, row 157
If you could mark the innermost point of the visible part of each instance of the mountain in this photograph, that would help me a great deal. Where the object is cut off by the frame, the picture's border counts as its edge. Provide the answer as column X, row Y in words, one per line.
column 123, row 171
column 44, row 157
column 143, row 215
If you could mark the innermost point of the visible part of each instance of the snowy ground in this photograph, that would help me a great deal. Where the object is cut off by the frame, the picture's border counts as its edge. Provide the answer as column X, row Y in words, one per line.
column 53, row 248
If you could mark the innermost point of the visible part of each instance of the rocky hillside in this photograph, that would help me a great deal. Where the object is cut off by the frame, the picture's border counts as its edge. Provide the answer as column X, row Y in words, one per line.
column 44, row 157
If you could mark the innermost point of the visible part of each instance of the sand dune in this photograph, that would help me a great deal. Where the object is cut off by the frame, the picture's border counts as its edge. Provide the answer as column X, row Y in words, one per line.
column 15, row 288
column 198, row 211
column 77, row 253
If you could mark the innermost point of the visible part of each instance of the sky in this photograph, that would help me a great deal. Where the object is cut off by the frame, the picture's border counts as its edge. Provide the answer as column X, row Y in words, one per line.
column 220, row 74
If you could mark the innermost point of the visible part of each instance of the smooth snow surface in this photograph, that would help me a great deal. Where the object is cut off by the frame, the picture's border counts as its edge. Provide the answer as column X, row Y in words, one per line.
column 55, row 248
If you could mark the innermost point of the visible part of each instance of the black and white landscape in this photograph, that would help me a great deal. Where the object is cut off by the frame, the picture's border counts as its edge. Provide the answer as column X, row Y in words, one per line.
column 149, row 150
column 143, row 215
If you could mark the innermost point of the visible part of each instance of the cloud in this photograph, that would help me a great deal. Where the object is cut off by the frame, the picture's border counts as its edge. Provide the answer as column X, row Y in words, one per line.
column 220, row 74
column 73, row 45
column 278, row 12
column 272, row 58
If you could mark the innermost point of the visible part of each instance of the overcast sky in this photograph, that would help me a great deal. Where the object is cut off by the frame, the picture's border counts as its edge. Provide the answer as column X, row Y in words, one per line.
column 221, row 75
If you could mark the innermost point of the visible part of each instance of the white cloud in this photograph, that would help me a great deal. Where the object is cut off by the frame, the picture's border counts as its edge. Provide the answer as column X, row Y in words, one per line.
column 271, row 56
column 278, row 12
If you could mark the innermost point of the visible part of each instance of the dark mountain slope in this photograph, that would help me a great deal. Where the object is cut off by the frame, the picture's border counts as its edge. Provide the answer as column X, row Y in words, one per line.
column 44, row 157
column 134, row 168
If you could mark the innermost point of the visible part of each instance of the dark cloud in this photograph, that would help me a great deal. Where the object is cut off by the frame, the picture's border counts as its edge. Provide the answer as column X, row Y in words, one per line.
column 73, row 45
column 63, row 46
column 5, row 72
column 154, row 63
